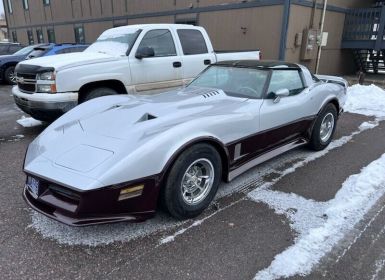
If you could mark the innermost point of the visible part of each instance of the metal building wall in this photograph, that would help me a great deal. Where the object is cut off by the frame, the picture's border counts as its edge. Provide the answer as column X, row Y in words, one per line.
column 231, row 24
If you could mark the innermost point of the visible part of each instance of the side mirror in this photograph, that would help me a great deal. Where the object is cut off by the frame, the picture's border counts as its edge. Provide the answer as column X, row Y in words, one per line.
column 276, row 96
column 144, row 52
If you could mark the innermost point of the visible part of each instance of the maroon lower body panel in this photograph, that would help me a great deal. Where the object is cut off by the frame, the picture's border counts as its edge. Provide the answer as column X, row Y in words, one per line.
column 96, row 206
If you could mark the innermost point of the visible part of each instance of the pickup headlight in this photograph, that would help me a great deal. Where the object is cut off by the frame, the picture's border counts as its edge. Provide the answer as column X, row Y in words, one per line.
column 46, row 82
column 46, row 76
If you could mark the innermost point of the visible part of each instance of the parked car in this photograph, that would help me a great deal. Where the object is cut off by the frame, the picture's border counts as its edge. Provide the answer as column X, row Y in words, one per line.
column 110, row 159
column 8, row 62
column 54, row 49
column 128, row 59
column 9, row 48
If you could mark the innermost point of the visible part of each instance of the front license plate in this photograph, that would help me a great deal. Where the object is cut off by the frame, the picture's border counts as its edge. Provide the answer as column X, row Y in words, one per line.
column 33, row 186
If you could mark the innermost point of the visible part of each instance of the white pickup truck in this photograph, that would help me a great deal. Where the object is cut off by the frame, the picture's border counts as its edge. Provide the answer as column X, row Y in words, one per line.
column 129, row 59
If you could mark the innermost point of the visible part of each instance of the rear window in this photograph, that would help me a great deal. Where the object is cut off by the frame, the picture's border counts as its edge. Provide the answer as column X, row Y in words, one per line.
column 37, row 53
column 192, row 41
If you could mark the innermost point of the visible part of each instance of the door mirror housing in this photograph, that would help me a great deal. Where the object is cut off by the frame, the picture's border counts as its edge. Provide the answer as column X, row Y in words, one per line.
column 144, row 52
column 276, row 96
column 283, row 92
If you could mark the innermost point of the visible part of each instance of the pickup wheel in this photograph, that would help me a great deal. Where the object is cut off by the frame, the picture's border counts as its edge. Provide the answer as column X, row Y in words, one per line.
column 9, row 75
column 97, row 92
column 192, row 181
column 324, row 128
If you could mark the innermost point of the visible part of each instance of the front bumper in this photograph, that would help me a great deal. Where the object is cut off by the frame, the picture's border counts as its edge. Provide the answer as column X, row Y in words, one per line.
column 44, row 106
column 99, row 206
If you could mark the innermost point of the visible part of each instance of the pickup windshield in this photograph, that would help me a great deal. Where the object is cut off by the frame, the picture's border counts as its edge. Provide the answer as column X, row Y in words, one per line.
column 234, row 81
column 114, row 43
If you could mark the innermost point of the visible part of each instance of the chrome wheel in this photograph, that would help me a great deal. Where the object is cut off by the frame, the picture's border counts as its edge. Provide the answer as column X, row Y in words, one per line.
column 327, row 127
column 197, row 181
column 12, row 77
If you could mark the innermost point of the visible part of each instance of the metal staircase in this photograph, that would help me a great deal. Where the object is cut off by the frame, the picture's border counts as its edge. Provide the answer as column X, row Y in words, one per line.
column 364, row 34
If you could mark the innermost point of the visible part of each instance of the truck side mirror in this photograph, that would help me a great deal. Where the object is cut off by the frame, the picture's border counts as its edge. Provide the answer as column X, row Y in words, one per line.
column 144, row 52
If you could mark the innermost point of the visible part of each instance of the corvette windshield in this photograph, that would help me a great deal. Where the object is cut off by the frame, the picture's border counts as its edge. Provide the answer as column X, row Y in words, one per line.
column 235, row 81
column 114, row 42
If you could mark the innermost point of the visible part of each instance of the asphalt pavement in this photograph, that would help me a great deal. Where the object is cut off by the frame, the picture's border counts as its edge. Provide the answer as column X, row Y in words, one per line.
column 234, row 239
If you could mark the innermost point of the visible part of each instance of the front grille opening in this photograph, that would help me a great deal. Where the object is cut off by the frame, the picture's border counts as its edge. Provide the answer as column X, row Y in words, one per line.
column 26, row 82
column 64, row 194
column 27, row 87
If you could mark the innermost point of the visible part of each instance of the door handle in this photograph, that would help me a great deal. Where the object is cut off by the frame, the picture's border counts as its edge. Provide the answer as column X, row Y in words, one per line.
column 177, row 64
column 207, row 61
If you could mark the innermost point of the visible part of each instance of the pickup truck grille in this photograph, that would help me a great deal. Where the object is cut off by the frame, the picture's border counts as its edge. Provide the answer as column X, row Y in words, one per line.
column 26, row 82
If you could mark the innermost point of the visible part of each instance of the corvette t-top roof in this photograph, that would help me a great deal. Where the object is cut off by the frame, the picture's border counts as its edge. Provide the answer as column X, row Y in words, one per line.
column 259, row 64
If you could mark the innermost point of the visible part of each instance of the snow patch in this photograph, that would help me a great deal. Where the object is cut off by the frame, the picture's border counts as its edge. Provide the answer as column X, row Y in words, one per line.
column 366, row 100
column 321, row 225
column 99, row 234
column 28, row 122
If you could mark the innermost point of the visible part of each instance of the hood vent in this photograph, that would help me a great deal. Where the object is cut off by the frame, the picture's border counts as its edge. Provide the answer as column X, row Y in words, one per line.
column 210, row 94
column 146, row 117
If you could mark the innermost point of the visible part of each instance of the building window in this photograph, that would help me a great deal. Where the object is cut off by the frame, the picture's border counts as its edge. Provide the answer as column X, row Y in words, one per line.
column 39, row 35
column 30, row 37
column 51, row 35
column 10, row 9
column 14, row 36
column 25, row 5
column 46, row 2
column 79, row 35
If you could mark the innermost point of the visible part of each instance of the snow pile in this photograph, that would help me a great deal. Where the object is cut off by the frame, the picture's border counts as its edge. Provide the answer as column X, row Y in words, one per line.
column 28, row 122
column 366, row 100
column 321, row 224
column 99, row 234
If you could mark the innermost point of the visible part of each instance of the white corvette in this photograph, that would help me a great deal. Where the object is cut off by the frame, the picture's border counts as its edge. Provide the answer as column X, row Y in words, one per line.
column 114, row 158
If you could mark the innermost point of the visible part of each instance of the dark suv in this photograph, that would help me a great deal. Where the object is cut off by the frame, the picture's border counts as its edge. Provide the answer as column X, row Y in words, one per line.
column 9, row 48
column 9, row 62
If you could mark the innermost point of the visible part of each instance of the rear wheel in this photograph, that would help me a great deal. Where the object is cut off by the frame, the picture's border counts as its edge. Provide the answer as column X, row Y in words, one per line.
column 324, row 128
column 193, row 181
column 9, row 75
column 97, row 92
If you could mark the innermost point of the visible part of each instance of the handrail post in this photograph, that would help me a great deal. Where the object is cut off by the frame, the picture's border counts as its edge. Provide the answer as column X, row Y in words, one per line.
column 381, row 29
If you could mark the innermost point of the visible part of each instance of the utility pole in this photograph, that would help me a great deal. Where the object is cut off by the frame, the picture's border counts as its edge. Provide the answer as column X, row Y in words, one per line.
column 321, row 31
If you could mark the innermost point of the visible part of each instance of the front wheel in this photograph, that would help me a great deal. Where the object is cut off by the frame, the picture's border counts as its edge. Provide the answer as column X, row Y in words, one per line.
column 97, row 92
column 193, row 181
column 324, row 128
column 10, row 76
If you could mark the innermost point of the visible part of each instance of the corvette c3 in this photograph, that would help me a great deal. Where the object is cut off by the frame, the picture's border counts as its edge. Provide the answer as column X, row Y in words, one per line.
column 116, row 158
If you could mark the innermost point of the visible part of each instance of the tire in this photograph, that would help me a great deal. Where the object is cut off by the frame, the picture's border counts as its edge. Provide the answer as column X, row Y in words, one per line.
column 323, row 135
column 98, row 92
column 9, row 75
column 205, row 158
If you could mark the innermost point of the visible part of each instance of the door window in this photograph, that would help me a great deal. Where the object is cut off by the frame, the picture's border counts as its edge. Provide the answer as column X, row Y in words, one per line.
column 192, row 41
column 39, row 35
column 286, row 79
column 161, row 41
column 79, row 35
column 51, row 35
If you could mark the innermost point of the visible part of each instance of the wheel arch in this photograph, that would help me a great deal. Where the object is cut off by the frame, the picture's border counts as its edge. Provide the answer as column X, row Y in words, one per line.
column 113, row 84
column 214, row 142
column 6, row 65
column 334, row 102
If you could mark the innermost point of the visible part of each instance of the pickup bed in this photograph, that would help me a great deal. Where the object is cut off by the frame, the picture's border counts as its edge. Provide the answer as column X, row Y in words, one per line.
column 123, row 60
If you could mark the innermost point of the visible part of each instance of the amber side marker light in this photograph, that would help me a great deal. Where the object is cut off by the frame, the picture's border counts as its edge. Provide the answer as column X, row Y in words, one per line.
column 130, row 192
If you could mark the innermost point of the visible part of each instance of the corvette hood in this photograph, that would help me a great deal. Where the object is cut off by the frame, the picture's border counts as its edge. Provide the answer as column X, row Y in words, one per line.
column 63, row 61
column 151, row 114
